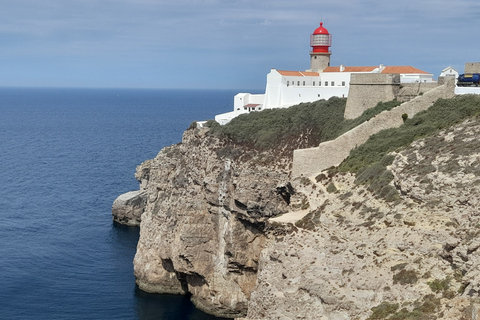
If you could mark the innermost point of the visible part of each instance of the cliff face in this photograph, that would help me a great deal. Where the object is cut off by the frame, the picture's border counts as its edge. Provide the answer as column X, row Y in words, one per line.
column 417, row 258
column 202, row 229
column 224, row 223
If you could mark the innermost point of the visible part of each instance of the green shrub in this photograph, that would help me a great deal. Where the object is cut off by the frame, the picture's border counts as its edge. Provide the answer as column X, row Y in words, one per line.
column 268, row 128
column 439, row 285
column 317, row 122
column 367, row 159
column 331, row 188
column 383, row 310
column 422, row 310
column 405, row 277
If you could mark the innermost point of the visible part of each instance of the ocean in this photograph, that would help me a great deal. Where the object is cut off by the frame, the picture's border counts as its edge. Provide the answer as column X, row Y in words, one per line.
column 65, row 155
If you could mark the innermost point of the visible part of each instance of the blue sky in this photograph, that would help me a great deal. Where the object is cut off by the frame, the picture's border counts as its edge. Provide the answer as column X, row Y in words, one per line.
column 226, row 44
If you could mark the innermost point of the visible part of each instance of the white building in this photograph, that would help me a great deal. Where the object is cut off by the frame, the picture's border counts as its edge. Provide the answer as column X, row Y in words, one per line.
column 321, row 81
column 449, row 72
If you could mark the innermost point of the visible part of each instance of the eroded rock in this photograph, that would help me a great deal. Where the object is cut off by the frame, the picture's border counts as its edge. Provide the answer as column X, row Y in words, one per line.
column 128, row 208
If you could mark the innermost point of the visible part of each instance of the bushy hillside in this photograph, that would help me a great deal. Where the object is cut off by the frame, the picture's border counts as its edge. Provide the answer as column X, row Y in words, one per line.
column 309, row 124
column 312, row 122
column 369, row 160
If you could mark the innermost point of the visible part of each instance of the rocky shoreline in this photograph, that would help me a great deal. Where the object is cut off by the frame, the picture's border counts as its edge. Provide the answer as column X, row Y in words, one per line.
column 227, row 225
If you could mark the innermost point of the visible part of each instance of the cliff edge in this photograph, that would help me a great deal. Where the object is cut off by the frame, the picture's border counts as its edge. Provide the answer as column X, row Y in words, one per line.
column 202, row 231
column 224, row 222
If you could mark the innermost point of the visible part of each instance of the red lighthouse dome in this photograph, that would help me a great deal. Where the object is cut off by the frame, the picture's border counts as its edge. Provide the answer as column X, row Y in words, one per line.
column 321, row 40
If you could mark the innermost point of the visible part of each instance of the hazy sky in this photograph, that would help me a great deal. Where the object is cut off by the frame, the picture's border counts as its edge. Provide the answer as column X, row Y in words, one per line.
column 222, row 43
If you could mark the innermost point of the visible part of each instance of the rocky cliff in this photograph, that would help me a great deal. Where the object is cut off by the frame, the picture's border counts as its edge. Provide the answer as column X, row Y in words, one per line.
column 358, row 257
column 225, row 223
column 202, row 231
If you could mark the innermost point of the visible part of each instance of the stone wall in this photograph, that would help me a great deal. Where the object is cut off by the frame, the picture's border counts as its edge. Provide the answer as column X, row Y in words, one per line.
column 319, row 60
column 368, row 89
column 409, row 91
column 472, row 67
column 311, row 161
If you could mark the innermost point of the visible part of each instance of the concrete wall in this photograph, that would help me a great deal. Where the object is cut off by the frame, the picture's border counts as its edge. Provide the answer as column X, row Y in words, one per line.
column 472, row 67
column 310, row 162
column 368, row 89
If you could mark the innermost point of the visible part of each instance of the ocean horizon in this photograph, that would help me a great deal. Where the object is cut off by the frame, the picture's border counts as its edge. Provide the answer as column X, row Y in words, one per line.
column 66, row 154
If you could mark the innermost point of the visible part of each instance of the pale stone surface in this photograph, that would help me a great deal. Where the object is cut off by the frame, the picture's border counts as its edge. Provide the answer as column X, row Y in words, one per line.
column 202, row 230
column 308, row 162
column 128, row 208
column 368, row 89
column 359, row 251
column 245, row 242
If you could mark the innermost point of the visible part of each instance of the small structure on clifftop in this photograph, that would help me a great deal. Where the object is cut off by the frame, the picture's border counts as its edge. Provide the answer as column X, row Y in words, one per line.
column 322, row 81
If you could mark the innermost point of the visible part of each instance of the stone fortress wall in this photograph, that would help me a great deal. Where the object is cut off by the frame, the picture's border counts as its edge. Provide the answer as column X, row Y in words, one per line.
column 472, row 67
column 367, row 89
column 409, row 91
column 311, row 161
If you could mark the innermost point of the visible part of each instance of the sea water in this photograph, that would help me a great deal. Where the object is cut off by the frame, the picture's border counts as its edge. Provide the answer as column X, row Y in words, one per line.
column 65, row 155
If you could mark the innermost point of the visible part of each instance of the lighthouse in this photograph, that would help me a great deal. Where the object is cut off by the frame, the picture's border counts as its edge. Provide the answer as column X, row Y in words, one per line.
column 320, row 41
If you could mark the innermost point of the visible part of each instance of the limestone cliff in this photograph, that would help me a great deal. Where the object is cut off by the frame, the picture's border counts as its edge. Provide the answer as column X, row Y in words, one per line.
column 202, row 231
column 357, row 257
column 225, row 223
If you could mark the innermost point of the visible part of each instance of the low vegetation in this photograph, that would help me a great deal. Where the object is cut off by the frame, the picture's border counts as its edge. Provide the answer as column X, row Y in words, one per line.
column 370, row 160
column 308, row 124
column 423, row 309
column 315, row 122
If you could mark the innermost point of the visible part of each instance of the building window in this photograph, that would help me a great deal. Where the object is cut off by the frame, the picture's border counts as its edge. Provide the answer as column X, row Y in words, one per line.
column 288, row 83
column 298, row 83
column 314, row 83
column 319, row 95
column 326, row 83
column 333, row 83
column 343, row 83
column 304, row 83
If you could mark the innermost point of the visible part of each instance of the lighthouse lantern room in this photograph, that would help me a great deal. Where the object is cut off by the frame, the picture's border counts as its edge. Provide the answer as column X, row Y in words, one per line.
column 320, row 41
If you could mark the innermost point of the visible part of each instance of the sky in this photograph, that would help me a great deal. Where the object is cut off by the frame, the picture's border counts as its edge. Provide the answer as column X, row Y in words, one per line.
column 222, row 44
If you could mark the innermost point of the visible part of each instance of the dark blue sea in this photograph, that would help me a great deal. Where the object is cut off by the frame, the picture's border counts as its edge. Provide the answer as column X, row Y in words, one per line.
column 65, row 155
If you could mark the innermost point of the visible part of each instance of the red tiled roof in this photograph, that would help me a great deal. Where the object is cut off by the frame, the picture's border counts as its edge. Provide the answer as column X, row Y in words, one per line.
column 387, row 69
column 297, row 73
column 251, row 105
column 402, row 69
column 350, row 69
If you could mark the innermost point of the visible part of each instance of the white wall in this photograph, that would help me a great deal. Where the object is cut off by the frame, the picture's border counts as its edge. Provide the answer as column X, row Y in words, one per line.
column 416, row 78
column 285, row 91
column 242, row 99
column 450, row 71
column 225, row 118
column 273, row 90
column 467, row 90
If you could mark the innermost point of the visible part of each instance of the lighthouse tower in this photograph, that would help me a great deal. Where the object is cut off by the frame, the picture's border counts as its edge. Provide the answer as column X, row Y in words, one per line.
column 320, row 41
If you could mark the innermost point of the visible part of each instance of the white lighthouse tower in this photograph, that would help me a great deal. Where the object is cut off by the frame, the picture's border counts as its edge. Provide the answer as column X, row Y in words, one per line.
column 320, row 41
